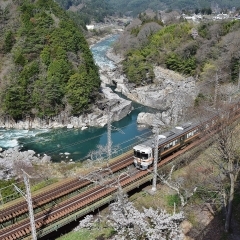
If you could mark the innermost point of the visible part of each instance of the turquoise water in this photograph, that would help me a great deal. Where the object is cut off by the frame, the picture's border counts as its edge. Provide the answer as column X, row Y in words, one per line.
column 78, row 143
column 75, row 144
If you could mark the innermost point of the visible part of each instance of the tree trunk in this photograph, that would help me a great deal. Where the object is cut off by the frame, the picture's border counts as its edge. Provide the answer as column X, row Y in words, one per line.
column 230, row 203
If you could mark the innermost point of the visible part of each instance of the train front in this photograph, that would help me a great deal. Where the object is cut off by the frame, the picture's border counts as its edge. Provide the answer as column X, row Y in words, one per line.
column 143, row 156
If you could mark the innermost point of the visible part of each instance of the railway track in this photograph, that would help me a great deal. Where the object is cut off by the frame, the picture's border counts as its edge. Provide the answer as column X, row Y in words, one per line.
column 54, row 214
column 11, row 214
column 22, row 229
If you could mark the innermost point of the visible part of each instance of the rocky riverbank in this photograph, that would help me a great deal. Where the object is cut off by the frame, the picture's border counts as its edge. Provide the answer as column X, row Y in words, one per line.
column 97, row 118
column 171, row 93
column 111, row 30
column 13, row 160
column 98, row 114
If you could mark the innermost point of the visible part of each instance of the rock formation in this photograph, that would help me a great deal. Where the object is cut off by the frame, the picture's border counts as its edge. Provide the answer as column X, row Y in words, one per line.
column 12, row 161
column 170, row 93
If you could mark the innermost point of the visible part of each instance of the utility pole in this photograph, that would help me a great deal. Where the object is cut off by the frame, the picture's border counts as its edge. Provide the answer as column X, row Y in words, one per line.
column 109, row 140
column 239, row 79
column 1, row 198
column 156, row 140
column 154, row 183
column 28, row 198
column 216, row 89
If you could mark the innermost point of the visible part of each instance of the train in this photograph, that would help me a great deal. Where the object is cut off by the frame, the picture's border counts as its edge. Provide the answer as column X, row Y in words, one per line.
column 177, row 138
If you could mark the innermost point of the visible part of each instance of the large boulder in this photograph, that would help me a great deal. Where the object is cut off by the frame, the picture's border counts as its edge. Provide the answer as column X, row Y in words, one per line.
column 149, row 119
column 119, row 107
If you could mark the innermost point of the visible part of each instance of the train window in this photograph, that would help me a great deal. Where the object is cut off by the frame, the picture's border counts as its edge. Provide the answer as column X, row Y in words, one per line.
column 166, row 147
column 190, row 134
column 137, row 153
column 170, row 144
column 144, row 156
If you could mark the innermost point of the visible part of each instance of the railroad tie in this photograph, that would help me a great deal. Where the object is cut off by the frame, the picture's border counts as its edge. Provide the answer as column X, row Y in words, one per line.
column 23, row 232
column 46, row 221
column 22, row 211
column 49, row 220
column 8, row 238
column 37, row 224
column 14, row 236
column 20, row 233
column 62, row 214
column 7, row 217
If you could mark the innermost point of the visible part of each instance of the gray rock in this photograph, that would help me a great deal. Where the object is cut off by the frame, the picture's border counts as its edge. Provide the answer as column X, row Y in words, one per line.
column 120, row 107
column 148, row 119
column 11, row 159
column 46, row 159
column 171, row 93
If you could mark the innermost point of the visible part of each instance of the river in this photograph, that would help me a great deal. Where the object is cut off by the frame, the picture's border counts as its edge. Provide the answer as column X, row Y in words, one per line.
column 66, row 144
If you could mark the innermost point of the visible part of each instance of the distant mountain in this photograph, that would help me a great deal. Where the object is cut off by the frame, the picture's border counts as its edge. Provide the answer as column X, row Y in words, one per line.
column 85, row 11
column 97, row 9
column 138, row 6
column 46, row 65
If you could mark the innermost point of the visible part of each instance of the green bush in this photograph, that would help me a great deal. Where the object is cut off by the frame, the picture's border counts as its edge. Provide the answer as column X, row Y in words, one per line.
column 173, row 199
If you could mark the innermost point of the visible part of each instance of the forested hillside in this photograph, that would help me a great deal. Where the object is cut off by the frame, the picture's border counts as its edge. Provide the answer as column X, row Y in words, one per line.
column 200, row 50
column 46, row 66
column 88, row 10
column 83, row 12
column 137, row 6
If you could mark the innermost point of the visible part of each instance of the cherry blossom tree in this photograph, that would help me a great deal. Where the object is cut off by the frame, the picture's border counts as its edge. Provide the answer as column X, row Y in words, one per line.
column 130, row 223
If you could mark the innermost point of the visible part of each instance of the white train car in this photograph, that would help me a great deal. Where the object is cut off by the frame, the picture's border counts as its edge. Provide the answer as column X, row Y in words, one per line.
column 168, row 142
column 178, row 137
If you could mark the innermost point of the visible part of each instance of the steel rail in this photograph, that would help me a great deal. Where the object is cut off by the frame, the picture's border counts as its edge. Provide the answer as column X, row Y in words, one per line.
column 53, row 194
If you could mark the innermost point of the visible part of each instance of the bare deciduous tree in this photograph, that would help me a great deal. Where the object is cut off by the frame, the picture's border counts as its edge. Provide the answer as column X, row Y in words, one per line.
column 178, row 186
column 225, row 154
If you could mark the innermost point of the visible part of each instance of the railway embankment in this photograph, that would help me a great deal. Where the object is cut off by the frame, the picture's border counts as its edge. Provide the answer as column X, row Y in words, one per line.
column 103, row 192
column 193, row 168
